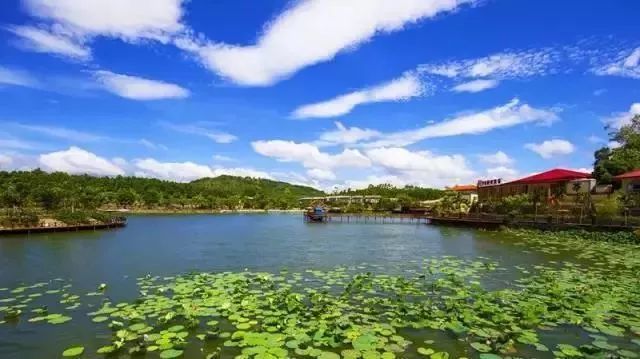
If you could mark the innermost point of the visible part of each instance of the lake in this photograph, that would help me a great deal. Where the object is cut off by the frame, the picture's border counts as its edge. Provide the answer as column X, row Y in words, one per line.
column 160, row 245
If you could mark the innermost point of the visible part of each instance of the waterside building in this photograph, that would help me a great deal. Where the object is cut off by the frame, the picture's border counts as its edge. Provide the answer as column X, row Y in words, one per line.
column 547, row 184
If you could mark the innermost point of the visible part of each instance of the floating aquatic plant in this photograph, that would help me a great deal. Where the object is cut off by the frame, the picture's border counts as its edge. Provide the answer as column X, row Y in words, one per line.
column 368, row 311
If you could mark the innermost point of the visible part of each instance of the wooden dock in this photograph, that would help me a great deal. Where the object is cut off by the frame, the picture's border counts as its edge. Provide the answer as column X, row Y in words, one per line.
column 485, row 221
column 54, row 229
column 381, row 218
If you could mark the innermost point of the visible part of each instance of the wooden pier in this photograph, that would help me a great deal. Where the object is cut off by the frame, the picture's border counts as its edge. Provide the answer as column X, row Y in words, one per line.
column 477, row 221
column 381, row 218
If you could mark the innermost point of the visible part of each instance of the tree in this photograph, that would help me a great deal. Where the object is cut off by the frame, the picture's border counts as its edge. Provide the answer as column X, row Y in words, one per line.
column 610, row 162
column 151, row 198
column 126, row 197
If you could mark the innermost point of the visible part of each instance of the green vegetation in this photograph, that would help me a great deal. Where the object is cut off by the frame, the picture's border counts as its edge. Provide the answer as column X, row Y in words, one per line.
column 610, row 162
column 75, row 198
column 60, row 191
column 392, row 198
column 407, row 194
column 583, row 308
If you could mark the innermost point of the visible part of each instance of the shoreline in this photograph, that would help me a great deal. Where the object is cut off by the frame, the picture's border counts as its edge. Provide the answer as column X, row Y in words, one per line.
column 62, row 228
column 197, row 211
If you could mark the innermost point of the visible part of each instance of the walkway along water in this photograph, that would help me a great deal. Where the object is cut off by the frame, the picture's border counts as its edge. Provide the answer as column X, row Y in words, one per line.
column 115, row 223
column 482, row 221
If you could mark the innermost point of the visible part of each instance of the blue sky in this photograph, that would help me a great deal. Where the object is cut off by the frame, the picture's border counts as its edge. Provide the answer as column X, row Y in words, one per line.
column 321, row 92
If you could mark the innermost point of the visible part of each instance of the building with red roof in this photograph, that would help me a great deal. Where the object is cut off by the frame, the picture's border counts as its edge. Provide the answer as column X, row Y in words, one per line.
column 467, row 192
column 463, row 188
column 547, row 183
column 630, row 181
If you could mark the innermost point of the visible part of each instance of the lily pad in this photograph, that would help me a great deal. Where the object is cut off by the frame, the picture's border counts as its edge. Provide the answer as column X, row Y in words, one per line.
column 73, row 352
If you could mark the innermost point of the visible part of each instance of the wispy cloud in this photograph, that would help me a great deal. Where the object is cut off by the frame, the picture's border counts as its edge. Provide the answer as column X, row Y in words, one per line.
column 8, row 142
column 138, row 88
column 508, row 115
column 38, row 39
column 74, row 136
column 400, row 89
column 624, row 64
column 503, row 65
column 344, row 135
column 318, row 30
column 476, row 86
column 58, row 132
column 152, row 145
column 15, row 77
column 200, row 130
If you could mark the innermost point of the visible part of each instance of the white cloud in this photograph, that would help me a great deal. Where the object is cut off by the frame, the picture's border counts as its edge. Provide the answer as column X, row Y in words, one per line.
column 400, row 89
column 321, row 174
column 620, row 119
column 346, row 135
column 502, row 65
column 499, row 158
column 5, row 161
column 309, row 155
column 551, row 148
column 126, row 19
column 626, row 64
column 508, row 115
column 41, row 40
column 138, row 88
column 613, row 144
column 177, row 171
column 195, row 129
column 310, row 32
column 506, row 173
column 15, row 77
column 188, row 171
column 476, row 86
column 397, row 159
column 78, row 161
column 401, row 167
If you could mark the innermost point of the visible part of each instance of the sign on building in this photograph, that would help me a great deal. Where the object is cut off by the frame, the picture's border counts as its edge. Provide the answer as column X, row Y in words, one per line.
column 491, row 182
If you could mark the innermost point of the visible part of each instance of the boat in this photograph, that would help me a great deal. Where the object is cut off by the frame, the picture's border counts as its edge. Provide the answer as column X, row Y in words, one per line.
column 315, row 214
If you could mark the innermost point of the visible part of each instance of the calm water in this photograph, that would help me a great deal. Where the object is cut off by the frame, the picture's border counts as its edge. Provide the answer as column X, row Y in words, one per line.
column 165, row 245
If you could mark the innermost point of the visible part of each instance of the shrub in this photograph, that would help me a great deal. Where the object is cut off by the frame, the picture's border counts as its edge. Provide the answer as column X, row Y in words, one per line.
column 608, row 208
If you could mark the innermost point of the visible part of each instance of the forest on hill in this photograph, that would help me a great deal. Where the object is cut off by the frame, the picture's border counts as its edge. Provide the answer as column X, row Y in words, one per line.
column 26, row 196
column 55, row 191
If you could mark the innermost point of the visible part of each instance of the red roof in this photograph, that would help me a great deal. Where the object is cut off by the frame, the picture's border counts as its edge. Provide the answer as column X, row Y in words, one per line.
column 554, row 175
column 464, row 188
column 631, row 174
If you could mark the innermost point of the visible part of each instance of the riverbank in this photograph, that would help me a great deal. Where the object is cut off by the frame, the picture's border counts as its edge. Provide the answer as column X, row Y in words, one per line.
column 199, row 211
column 63, row 228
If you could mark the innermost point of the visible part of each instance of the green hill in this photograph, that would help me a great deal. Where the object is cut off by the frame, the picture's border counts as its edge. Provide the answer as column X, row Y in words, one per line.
column 55, row 191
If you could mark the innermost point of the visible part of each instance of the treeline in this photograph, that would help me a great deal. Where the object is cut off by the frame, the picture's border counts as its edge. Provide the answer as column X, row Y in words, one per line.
column 407, row 194
column 624, row 157
column 60, row 191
